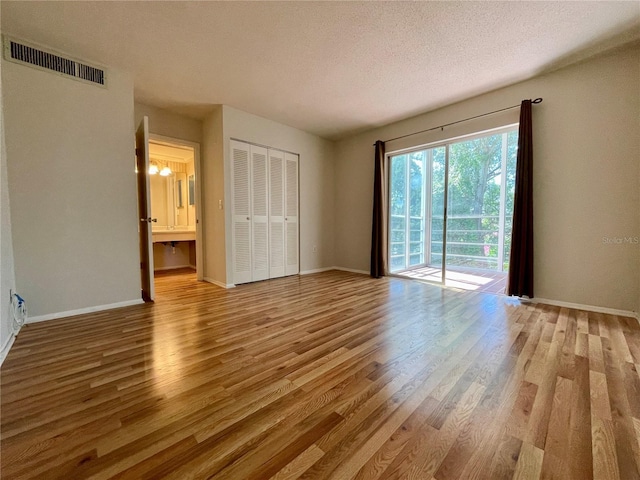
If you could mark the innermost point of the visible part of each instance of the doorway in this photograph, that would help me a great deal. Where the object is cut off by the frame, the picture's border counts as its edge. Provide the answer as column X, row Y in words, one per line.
column 169, row 204
column 451, row 209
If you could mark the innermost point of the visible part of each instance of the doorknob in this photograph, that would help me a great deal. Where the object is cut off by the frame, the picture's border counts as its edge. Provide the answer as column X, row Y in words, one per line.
column 149, row 220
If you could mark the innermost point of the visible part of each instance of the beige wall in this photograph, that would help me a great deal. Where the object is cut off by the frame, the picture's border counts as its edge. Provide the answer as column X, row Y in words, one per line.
column 73, row 189
column 7, row 275
column 586, row 178
column 316, row 181
column 212, row 182
column 168, row 124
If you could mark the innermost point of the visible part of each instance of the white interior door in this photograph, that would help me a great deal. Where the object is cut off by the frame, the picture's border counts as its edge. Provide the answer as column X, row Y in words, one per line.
column 241, row 212
column 144, row 210
column 291, row 215
column 276, row 214
column 259, row 214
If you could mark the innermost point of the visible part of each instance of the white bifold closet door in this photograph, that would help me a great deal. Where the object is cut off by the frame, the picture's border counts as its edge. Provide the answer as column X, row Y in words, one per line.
column 264, row 213
column 241, row 214
column 276, row 214
column 291, row 214
column 259, row 214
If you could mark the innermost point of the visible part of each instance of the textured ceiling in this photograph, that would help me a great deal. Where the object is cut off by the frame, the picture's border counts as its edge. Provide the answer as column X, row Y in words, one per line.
column 330, row 68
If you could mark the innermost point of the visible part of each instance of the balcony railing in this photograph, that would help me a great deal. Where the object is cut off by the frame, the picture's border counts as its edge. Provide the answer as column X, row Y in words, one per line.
column 479, row 248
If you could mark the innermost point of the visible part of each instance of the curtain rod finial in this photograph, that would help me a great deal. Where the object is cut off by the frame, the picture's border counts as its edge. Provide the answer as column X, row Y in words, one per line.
column 537, row 100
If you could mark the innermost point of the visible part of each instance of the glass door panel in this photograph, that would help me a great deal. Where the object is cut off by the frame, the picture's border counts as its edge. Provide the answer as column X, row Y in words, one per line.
column 416, row 212
column 398, row 213
column 416, row 187
column 480, row 201
column 437, row 170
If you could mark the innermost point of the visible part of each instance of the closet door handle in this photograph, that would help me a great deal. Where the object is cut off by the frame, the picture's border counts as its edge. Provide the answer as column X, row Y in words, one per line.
column 248, row 218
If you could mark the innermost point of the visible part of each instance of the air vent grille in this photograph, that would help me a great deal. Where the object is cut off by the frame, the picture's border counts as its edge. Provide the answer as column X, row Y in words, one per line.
column 65, row 66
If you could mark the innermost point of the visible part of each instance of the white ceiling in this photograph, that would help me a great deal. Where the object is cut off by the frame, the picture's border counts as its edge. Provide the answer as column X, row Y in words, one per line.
column 330, row 68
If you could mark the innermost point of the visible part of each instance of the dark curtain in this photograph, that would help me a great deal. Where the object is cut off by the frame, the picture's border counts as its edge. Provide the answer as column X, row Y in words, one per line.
column 378, row 231
column 521, row 259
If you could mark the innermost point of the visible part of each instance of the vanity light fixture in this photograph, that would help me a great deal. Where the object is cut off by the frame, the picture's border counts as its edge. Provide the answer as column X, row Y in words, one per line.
column 154, row 169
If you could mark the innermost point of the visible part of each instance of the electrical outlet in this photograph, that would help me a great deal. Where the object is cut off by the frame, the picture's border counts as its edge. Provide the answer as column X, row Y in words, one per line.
column 315, row 249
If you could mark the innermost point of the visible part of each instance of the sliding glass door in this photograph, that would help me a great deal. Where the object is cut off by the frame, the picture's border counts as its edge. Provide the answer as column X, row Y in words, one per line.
column 475, row 179
column 416, row 210
column 407, row 211
column 481, row 184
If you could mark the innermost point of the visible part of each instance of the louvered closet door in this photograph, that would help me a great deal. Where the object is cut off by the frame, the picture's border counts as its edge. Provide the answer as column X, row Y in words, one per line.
column 259, row 216
column 291, row 215
column 241, row 212
column 276, row 214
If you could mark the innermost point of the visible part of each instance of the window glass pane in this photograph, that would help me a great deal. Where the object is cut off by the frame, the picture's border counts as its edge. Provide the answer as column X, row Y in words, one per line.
column 416, row 179
column 437, row 205
column 397, row 263
column 415, row 259
column 475, row 178
column 512, row 152
column 398, row 196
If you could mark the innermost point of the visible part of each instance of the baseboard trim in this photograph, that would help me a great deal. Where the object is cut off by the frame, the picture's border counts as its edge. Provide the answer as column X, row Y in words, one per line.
column 82, row 311
column 352, row 270
column 7, row 346
column 177, row 267
column 219, row 284
column 316, row 270
column 589, row 308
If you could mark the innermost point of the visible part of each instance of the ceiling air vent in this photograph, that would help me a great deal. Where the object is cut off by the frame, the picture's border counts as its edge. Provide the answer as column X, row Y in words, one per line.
column 19, row 52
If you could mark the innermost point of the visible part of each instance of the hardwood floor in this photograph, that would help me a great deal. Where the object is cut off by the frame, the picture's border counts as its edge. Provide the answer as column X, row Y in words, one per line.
column 478, row 280
column 331, row 375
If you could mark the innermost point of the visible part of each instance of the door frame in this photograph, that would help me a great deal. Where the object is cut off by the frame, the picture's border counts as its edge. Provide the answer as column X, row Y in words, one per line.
column 431, row 145
column 199, row 206
column 427, row 220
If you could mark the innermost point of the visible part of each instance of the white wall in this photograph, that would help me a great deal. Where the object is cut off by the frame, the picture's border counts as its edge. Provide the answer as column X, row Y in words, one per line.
column 73, row 189
column 586, row 178
column 316, row 172
column 168, row 124
column 7, row 275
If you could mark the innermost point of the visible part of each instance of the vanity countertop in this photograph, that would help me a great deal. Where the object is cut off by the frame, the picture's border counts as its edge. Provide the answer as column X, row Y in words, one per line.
column 173, row 235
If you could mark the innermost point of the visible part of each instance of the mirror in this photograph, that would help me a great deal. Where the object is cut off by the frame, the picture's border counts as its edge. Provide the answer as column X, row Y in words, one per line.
column 169, row 201
column 179, row 202
column 192, row 190
column 181, row 216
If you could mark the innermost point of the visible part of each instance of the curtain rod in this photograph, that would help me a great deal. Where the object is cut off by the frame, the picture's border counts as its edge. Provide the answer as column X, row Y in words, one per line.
column 537, row 100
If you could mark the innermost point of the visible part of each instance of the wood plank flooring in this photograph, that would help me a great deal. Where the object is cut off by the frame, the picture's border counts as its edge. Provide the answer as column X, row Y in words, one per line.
column 332, row 375
column 476, row 279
